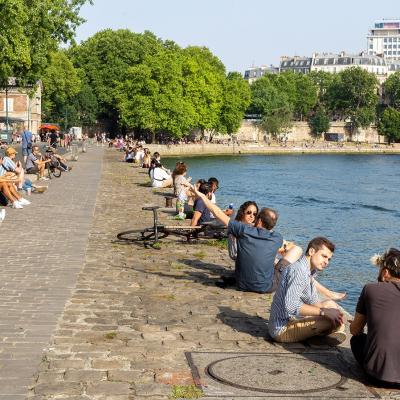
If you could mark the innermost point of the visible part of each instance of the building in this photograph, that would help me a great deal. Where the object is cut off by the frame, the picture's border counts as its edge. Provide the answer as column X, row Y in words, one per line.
column 384, row 39
column 21, row 106
column 254, row 73
column 301, row 65
column 335, row 63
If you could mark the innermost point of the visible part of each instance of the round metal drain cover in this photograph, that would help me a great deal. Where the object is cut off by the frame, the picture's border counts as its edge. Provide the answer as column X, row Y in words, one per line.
column 276, row 373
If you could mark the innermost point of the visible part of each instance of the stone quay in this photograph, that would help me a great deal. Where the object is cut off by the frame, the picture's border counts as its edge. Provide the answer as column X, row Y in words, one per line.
column 86, row 316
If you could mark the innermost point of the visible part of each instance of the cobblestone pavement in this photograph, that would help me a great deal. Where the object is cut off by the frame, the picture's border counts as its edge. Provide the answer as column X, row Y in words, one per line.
column 135, row 311
column 42, row 250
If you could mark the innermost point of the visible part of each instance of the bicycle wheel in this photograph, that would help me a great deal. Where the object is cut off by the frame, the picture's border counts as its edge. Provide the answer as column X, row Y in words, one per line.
column 139, row 235
column 56, row 172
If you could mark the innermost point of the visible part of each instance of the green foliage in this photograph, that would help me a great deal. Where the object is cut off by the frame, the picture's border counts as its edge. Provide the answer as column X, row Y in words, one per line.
column 61, row 84
column 185, row 392
column 390, row 124
column 392, row 90
column 353, row 95
column 323, row 80
column 319, row 122
column 237, row 98
column 30, row 31
column 272, row 104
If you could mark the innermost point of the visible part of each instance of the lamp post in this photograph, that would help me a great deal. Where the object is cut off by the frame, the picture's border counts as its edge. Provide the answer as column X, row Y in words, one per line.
column 7, row 106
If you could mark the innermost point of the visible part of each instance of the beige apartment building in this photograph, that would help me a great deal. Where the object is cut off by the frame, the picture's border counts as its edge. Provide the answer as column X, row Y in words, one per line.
column 22, row 105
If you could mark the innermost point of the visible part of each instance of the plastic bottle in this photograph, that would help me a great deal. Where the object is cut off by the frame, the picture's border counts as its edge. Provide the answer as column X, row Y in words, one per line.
column 230, row 207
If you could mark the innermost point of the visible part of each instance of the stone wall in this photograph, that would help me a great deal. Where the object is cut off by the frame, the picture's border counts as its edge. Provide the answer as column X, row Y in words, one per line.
column 248, row 132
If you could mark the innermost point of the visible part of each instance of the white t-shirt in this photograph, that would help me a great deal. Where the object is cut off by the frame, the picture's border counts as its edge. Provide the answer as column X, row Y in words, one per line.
column 158, row 175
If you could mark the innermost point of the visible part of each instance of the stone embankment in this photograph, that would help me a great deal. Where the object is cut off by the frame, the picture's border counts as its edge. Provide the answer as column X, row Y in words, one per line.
column 150, row 323
column 211, row 149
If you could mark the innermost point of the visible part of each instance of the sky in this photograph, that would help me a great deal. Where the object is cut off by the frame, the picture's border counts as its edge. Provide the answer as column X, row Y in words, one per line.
column 246, row 33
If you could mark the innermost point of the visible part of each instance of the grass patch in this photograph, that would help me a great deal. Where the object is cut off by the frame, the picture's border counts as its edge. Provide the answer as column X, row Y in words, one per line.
column 185, row 392
column 177, row 266
column 111, row 335
column 200, row 255
column 219, row 243
column 156, row 246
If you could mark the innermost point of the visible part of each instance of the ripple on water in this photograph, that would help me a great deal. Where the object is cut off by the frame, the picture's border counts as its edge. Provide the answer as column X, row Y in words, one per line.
column 351, row 199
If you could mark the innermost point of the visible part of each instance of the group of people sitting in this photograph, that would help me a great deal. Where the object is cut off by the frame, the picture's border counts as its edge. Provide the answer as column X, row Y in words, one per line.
column 302, row 308
column 13, row 178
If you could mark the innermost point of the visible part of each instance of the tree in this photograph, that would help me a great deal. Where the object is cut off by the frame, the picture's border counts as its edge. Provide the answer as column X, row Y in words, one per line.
column 392, row 90
column 237, row 98
column 203, row 86
column 306, row 96
column 106, row 59
column 152, row 97
column 272, row 105
column 319, row 122
column 323, row 80
column 390, row 124
column 61, row 84
column 31, row 30
column 353, row 94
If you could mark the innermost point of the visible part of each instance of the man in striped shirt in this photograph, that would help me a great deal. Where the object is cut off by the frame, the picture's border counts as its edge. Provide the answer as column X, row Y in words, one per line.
column 297, row 313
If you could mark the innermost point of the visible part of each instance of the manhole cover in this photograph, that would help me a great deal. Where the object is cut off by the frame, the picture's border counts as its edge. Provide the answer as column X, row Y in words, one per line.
column 270, row 374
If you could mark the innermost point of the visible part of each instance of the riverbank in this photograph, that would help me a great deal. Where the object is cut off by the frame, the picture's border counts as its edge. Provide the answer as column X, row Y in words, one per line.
column 211, row 149
column 151, row 323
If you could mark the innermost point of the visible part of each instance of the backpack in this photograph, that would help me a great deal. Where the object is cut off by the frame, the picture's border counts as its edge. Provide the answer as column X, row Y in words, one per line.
column 3, row 199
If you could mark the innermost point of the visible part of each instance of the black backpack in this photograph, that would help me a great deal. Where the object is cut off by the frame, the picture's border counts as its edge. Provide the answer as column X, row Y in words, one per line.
column 3, row 200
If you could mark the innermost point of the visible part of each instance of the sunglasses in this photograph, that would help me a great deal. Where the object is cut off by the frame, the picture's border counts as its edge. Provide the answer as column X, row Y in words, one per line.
column 251, row 212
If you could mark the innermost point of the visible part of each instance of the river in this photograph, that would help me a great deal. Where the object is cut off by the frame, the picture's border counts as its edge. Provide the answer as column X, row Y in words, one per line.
column 354, row 200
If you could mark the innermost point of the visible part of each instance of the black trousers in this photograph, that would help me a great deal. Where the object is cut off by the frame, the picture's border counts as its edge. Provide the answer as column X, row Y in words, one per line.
column 358, row 344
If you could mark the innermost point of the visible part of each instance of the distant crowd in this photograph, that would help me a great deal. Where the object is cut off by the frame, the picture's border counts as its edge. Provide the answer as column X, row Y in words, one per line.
column 16, row 173
column 302, row 308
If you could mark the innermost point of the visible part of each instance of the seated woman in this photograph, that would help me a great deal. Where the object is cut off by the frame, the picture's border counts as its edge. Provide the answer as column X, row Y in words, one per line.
column 247, row 214
column 146, row 158
column 7, row 187
column 9, row 165
column 160, row 178
column 129, row 155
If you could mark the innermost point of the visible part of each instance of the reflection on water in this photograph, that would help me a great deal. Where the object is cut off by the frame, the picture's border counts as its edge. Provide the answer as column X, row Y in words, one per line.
column 351, row 199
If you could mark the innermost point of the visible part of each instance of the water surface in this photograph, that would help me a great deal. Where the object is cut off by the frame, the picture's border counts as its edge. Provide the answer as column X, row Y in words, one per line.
column 351, row 199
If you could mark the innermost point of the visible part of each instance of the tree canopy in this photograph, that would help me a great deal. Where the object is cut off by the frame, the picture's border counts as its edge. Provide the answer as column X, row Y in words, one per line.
column 31, row 30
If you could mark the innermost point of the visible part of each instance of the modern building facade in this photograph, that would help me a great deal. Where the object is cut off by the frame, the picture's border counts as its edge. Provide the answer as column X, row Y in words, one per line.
column 21, row 106
column 384, row 39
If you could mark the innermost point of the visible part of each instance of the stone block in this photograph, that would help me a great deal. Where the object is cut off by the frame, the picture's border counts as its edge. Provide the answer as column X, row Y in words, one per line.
column 108, row 364
column 58, row 388
column 109, row 388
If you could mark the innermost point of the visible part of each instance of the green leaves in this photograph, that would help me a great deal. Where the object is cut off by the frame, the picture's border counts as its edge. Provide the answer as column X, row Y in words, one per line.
column 31, row 30
column 390, row 124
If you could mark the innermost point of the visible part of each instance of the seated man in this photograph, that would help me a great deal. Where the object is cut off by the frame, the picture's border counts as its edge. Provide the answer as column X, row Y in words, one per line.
column 35, row 164
column 297, row 313
column 201, row 213
column 257, row 247
column 378, row 351
column 11, row 167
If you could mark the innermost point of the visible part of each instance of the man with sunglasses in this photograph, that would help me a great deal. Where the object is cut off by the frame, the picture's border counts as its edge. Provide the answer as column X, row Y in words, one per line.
column 257, row 247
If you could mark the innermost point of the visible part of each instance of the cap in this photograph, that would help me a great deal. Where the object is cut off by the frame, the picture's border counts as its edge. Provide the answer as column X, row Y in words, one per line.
column 10, row 151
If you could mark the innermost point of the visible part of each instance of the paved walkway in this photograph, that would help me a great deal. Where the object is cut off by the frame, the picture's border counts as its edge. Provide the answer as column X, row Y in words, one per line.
column 149, row 324
column 42, row 250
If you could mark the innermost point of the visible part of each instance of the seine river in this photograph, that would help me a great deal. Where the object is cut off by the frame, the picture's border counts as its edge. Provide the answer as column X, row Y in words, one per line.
column 354, row 200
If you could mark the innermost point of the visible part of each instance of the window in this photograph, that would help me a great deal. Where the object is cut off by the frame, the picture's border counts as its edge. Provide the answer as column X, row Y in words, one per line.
column 8, row 105
column 385, row 40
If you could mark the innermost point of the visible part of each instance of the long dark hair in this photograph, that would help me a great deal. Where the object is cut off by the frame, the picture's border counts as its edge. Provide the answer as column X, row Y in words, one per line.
column 242, row 209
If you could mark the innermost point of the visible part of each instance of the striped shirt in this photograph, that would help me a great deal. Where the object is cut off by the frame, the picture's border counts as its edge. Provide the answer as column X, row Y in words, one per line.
column 296, row 287
column 8, row 165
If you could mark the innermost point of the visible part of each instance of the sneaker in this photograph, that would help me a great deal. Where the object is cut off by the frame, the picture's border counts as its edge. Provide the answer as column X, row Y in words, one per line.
column 337, row 337
column 2, row 214
column 24, row 202
column 180, row 217
column 44, row 178
column 17, row 204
